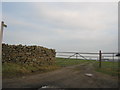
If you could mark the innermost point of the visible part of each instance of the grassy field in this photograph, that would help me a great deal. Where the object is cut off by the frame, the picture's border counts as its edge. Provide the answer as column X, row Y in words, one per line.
column 13, row 69
column 62, row 62
column 111, row 68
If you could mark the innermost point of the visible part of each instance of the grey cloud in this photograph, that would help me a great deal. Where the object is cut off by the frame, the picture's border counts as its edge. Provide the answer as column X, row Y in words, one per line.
column 67, row 26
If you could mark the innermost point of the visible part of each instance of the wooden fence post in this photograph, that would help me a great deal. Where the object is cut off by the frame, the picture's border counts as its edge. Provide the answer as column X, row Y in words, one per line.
column 76, row 56
column 113, row 57
column 100, row 57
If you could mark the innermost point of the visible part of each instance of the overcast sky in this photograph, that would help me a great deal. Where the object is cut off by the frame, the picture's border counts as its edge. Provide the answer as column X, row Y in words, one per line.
column 77, row 26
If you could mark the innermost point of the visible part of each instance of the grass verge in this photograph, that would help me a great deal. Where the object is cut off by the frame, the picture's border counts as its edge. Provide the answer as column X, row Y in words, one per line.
column 111, row 68
column 16, row 70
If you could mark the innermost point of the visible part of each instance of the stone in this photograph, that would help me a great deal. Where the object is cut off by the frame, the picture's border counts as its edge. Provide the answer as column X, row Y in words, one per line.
column 27, row 54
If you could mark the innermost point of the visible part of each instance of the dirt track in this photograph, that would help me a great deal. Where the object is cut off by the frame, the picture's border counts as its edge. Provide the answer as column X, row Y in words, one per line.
column 67, row 77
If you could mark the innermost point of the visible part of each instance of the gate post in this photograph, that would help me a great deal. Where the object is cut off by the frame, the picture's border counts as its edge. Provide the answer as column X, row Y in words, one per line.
column 100, row 57
column 76, row 56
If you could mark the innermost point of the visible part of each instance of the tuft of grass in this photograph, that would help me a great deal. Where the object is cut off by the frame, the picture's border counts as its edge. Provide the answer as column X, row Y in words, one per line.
column 12, row 69
column 16, row 70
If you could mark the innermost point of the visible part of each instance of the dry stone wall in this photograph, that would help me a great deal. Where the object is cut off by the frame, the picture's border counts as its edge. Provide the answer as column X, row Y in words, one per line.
column 28, row 54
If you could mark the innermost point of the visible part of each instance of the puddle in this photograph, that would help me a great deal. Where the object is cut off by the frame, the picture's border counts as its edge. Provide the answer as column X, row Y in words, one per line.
column 89, row 74
column 48, row 86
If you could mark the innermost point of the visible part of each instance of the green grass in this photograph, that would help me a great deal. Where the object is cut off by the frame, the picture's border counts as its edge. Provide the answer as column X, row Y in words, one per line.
column 62, row 62
column 111, row 68
column 15, row 69
column 12, row 69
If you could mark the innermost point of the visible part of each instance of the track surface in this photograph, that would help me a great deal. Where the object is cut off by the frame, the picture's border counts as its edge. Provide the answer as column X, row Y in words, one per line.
column 67, row 77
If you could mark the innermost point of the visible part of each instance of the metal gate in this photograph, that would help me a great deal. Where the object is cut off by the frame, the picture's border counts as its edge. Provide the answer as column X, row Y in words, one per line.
column 107, row 62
